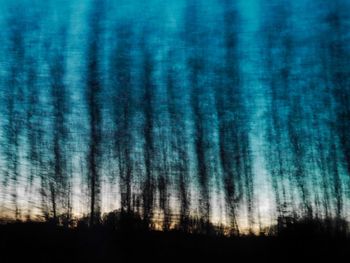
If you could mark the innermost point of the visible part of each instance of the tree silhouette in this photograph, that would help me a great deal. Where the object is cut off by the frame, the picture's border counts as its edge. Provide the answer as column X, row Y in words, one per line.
column 59, row 180
column 179, row 143
column 123, row 113
column 196, row 67
column 93, row 93
column 148, row 133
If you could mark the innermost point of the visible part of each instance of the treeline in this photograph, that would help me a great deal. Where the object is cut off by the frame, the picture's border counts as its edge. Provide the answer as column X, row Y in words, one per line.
column 182, row 114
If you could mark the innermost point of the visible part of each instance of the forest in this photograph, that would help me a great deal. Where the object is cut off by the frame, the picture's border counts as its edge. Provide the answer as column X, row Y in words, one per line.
column 216, row 119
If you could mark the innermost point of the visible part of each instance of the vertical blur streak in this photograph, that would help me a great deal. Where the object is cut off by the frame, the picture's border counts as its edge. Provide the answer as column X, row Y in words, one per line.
column 94, row 105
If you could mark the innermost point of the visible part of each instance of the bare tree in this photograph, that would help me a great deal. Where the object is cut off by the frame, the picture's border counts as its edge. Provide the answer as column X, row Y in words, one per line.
column 123, row 112
column 148, row 133
column 59, row 181
column 14, row 98
column 195, row 64
column 93, row 93
column 179, row 143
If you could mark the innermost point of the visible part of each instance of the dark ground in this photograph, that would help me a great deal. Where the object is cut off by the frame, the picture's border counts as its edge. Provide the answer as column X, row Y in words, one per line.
column 38, row 242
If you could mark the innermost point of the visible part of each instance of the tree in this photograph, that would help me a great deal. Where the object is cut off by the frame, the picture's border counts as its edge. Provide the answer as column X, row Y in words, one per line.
column 179, row 142
column 277, row 68
column 195, row 65
column 59, row 181
column 148, row 133
column 14, row 116
column 93, row 93
column 123, row 112
column 233, row 125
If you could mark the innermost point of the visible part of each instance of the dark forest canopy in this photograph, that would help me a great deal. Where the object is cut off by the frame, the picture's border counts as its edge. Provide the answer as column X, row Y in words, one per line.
column 235, row 113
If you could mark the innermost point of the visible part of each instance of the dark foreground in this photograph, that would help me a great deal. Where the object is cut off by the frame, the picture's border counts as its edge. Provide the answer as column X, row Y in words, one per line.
column 34, row 242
